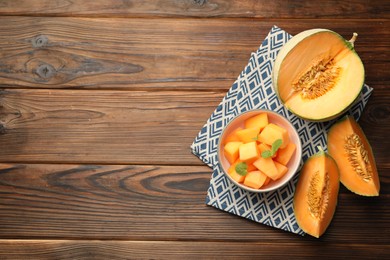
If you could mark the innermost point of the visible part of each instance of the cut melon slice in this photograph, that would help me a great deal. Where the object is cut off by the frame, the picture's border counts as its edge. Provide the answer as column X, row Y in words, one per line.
column 350, row 148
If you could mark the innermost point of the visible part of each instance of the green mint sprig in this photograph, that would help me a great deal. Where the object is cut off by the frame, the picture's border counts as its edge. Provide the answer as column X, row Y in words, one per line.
column 242, row 168
column 275, row 146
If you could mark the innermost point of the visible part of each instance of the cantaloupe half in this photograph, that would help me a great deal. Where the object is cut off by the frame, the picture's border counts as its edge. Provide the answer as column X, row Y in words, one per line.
column 348, row 145
column 318, row 75
column 316, row 194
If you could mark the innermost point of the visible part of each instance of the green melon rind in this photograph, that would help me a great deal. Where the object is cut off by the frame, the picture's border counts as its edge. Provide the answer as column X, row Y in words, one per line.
column 286, row 50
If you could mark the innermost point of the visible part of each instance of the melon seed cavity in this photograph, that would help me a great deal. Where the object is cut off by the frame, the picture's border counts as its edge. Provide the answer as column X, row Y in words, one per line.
column 318, row 79
column 358, row 156
column 318, row 197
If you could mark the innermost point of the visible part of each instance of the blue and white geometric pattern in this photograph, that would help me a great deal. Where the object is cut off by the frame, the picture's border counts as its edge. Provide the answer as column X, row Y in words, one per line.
column 253, row 89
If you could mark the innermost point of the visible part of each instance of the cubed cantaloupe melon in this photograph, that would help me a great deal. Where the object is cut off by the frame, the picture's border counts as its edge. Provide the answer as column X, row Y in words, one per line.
column 284, row 155
column 282, row 170
column 259, row 121
column 231, row 150
column 273, row 132
column 233, row 137
column 255, row 179
column 232, row 172
column 248, row 135
column 249, row 152
column 267, row 166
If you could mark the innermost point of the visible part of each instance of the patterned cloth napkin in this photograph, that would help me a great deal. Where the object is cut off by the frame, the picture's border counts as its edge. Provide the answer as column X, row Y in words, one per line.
column 253, row 90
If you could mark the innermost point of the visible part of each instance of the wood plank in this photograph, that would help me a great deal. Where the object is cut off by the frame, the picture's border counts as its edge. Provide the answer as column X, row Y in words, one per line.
column 122, row 127
column 200, row 8
column 141, row 127
column 191, row 54
column 155, row 203
column 80, row 249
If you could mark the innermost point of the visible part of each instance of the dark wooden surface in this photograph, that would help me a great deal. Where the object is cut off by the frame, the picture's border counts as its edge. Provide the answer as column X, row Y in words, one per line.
column 100, row 101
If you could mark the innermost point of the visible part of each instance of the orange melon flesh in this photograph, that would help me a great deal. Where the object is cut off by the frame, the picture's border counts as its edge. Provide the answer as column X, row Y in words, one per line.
column 273, row 132
column 348, row 177
column 248, row 152
column 320, row 164
column 284, row 155
column 231, row 150
column 259, row 121
column 232, row 172
column 247, row 135
column 297, row 58
column 267, row 166
column 233, row 137
column 255, row 179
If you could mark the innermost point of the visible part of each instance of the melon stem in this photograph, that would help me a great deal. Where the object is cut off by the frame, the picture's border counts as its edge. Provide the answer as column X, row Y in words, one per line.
column 353, row 39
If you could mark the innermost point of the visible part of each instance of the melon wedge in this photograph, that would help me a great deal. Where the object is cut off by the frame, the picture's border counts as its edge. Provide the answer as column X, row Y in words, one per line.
column 316, row 194
column 348, row 145
column 318, row 75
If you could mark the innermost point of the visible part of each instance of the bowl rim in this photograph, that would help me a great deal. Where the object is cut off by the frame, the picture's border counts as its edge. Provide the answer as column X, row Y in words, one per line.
column 298, row 150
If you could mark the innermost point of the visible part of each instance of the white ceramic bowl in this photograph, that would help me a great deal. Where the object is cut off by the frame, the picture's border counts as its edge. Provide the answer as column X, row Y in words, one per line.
column 277, row 119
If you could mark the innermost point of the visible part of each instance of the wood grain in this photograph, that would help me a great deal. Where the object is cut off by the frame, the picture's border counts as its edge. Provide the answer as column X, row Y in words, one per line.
column 81, row 249
column 149, row 203
column 121, row 127
column 102, row 126
column 192, row 54
column 200, row 8
column 100, row 101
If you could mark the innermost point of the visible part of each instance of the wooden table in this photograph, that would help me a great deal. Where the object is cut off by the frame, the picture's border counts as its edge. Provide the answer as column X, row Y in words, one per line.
column 100, row 102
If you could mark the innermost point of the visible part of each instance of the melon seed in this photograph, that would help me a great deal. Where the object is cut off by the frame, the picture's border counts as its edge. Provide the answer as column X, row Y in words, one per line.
column 318, row 79
column 358, row 156
column 317, row 197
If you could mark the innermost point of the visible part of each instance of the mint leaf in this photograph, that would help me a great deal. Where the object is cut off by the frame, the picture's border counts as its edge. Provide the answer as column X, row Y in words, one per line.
column 242, row 168
column 275, row 146
column 266, row 154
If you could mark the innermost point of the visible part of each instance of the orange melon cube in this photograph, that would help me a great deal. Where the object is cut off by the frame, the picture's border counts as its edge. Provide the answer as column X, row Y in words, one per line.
column 267, row 181
column 273, row 132
column 284, row 155
column 232, row 172
column 267, row 166
column 282, row 170
column 231, row 151
column 247, row 135
column 233, row 137
column 249, row 152
column 255, row 179
column 259, row 121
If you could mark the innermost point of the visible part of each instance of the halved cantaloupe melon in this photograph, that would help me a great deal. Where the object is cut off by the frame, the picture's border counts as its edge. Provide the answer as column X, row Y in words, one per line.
column 316, row 193
column 318, row 75
column 348, row 145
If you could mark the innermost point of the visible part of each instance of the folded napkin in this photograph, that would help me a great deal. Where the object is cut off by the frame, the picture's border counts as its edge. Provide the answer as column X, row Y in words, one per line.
column 253, row 90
